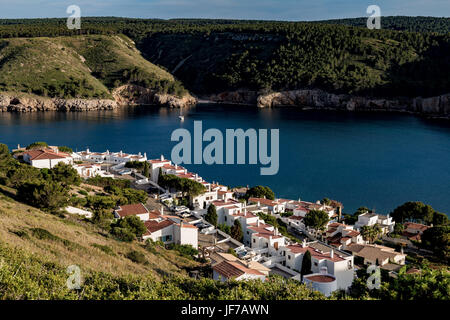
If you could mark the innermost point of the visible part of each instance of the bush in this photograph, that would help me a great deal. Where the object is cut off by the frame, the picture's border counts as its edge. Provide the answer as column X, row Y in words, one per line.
column 136, row 256
column 186, row 250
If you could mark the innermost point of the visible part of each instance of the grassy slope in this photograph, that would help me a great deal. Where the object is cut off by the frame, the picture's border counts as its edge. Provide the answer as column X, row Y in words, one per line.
column 45, row 65
column 74, row 243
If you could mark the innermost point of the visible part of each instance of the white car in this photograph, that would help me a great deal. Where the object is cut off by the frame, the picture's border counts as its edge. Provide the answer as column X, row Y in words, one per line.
column 182, row 209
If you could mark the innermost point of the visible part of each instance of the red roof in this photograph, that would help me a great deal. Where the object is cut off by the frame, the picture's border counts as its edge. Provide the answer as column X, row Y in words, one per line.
column 153, row 226
column 416, row 226
column 131, row 210
column 320, row 278
column 45, row 154
column 231, row 269
column 266, row 202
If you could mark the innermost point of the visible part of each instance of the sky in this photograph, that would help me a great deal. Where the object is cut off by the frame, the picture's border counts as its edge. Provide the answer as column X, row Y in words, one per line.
column 292, row 10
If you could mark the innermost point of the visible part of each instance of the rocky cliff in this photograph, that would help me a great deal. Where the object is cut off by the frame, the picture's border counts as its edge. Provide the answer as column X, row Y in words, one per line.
column 438, row 106
column 125, row 95
column 136, row 95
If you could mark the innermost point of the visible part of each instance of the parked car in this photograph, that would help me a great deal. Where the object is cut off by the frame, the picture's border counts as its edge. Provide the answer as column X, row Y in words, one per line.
column 181, row 209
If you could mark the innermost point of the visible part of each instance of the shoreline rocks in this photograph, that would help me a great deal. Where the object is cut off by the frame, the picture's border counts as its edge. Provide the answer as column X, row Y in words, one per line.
column 124, row 95
column 317, row 99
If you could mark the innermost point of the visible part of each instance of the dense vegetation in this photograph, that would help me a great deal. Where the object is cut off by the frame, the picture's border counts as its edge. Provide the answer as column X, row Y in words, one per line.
column 211, row 56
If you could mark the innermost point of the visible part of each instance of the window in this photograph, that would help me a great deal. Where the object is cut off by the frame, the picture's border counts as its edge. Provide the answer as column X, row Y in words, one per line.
column 289, row 257
column 315, row 264
column 254, row 240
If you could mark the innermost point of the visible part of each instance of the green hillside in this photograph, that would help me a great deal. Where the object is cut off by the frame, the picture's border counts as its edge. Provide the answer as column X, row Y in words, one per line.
column 408, row 57
column 78, row 66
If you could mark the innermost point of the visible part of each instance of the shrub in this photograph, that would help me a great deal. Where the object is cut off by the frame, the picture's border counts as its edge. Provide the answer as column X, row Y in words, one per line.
column 136, row 256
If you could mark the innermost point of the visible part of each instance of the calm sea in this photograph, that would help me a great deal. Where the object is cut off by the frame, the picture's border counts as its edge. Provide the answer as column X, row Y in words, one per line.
column 361, row 159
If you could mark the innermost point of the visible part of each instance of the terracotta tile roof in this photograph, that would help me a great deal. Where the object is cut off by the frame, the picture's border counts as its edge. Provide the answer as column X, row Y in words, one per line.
column 296, row 218
column 416, row 226
column 263, row 201
column 320, row 278
column 131, row 210
column 45, row 154
column 153, row 226
column 232, row 269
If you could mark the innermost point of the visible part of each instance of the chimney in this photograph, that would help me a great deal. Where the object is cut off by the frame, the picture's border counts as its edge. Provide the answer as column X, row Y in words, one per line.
column 401, row 249
column 162, row 210
column 332, row 254
column 259, row 204
column 145, row 155
column 162, row 158
column 18, row 146
column 121, row 152
column 304, row 243
column 257, row 223
column 87, row 150
column 139, row 154
column 176, row 166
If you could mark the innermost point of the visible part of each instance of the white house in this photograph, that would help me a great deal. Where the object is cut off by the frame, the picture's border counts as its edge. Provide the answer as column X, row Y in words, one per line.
column 90, row 170
column 340, row 235
column 138, row 210
column 46, row 158
column 111, row 157
column 386, row 223
column 376, row 254
column 337, row 263
column 323, row 282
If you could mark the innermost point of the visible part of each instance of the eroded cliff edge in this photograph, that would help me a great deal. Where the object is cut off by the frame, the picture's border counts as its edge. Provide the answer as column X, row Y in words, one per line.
column 438, row 106
column 122, row 96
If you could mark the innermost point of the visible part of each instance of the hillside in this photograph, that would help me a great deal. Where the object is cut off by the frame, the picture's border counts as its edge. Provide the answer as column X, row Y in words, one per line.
column 78, row 67
column 407, row 58
column 36, row 248
column 335, row 58
column 71, row 241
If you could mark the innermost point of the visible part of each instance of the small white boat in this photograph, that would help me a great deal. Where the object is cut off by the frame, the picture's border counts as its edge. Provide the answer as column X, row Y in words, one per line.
column 181, row 118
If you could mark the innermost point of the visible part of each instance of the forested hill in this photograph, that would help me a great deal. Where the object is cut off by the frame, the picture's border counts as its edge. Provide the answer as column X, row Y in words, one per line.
column 401, row 23
column 211, row 56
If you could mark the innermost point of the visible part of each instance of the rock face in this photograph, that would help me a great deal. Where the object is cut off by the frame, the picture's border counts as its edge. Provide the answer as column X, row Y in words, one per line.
column 125, row 95
column 318, row 99
column 29, row 104
column 136, row 95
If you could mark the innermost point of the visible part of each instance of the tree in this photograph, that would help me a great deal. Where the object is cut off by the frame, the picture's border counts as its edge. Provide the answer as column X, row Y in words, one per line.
column 65, row 174
column 413, row 211
column 306, row 264
column 17, row 175
column 65, row 149
column 260, row 192
column 146, row 169
column 440, row 219
column 437, row 239
column 211, row 215
column 48, row 195
column 129, row 225
column 399, row 228
column 371, row 233
column 236, row 231
column 316, row 219
column 37, row 145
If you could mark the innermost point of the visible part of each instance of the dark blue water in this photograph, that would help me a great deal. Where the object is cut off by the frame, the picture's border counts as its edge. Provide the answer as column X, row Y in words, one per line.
column 376, row 160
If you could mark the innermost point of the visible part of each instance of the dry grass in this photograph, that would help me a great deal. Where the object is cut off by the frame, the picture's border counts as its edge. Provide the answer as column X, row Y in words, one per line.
column 76, row 240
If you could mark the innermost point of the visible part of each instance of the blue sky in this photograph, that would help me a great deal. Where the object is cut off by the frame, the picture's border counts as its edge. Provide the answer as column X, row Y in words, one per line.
column 293, row 10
